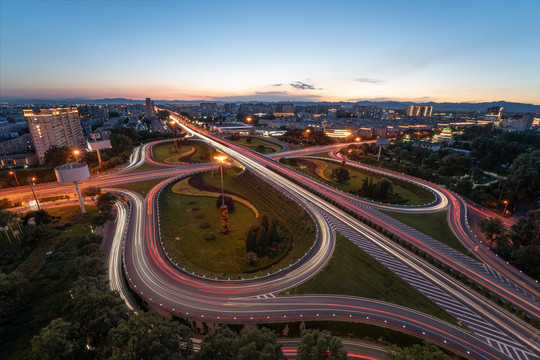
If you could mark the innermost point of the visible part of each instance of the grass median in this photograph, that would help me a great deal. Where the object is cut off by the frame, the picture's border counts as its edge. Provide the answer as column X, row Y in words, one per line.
column 352, row 271
column 431, row 224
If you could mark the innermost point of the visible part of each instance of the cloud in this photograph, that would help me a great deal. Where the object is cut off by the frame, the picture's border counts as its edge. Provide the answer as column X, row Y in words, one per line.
column 370, row 80
column 277, row 84
column 302, row 86
column 271, row 92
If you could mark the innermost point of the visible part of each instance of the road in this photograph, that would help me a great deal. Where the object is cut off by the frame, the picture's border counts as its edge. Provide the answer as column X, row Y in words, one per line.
column 164, row 285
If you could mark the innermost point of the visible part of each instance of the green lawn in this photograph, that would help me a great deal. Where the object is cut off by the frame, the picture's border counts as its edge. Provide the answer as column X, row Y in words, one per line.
column 165, row 150
column 431, row 224
column 410, row 194
column 142, row 187
column 182, row 215
column 269, row 146
column 352, row 271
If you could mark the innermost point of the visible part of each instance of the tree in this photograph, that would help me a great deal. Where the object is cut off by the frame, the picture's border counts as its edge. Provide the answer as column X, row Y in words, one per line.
column 102, row 218
column 120, row 143
column 11, row 288
column 146, row 336
column 56, row 341
column 523, row 183
column 41, row 217
column 261, row 242
column 384, row 187
column 427, row 351
column 492, row 228
column 527, row 230
column 219, row 345
column 341, row 174
column 57, row 156
column 259, row 344
column 319, row 345
column 91, row 192
column 5, row 203
column 251, row 239
column 264, row 221
column 97, row 309
column 225, row 344
column 106, row 201
column 273, row 236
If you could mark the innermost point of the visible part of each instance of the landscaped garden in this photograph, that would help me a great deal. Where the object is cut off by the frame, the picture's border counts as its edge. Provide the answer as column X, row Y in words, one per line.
column 256, row 144
column 186, row 151
column 267, row 230
column 362, row 183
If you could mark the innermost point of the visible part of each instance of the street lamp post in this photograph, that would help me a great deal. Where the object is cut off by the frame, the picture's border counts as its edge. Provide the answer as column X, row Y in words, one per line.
column 223, row 209
column 76, row 152
column 15, row 175
column 32, row 188
column 505, row 206
column 221, row 159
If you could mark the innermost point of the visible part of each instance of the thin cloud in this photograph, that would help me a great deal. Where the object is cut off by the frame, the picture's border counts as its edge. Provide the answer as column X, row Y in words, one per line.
column 271, row 92
column 302, row 86
column 370, row 80
column 277, row 84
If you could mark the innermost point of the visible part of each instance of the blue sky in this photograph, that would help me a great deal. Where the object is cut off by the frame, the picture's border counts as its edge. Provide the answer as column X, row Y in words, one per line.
column 271, row 50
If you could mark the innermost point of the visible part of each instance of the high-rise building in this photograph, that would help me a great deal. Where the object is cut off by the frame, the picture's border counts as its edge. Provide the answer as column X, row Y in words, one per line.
column 230, row 108
column 420, row 111
column 54, row 127
column 368, row 111
column 150, row 111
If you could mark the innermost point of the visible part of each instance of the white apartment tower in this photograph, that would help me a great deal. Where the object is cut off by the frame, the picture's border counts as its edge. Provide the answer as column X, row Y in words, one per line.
column 54, row 127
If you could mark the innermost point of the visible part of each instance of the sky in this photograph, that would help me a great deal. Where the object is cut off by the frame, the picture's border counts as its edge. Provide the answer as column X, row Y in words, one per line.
column 437, row 50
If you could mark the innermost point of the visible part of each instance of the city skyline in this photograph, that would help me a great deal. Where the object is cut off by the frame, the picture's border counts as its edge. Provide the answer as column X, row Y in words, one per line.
column 239, row 51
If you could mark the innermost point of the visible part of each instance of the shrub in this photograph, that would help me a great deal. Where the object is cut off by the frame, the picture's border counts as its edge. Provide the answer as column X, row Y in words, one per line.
column 204, row 225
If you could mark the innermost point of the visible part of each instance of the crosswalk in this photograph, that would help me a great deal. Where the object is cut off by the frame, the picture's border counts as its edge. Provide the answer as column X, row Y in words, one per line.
column 483, row 329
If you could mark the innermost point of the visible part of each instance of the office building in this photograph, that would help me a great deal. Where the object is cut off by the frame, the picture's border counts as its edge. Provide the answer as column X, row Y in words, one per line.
column 150, row 111
column 420, row 111
column 54, row 127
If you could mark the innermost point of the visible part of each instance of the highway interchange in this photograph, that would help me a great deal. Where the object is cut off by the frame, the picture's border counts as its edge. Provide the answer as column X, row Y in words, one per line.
column 137, row 252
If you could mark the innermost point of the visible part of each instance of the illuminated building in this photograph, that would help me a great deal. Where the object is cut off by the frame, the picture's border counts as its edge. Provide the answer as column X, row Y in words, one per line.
column 150, row 111
column 54, row 127
column 420, row 111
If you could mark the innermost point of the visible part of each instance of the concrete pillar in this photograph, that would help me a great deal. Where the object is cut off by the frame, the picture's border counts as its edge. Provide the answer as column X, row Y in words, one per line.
column 81, row 201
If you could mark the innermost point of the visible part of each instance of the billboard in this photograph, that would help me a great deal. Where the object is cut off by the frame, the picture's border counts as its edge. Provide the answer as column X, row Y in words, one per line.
column 382, row 142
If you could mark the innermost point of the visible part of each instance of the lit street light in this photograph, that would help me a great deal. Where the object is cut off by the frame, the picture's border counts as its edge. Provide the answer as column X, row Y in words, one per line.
column 223, row 209
column 76, row 153
column 15, row 175
column 221, row 159
column 505, row 205
column 32, row 188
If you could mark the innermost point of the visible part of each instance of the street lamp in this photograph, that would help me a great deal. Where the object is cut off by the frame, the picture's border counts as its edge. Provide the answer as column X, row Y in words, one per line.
column 76, row 153
column 221, row 159
column 30, row 180
column 224, row 211
column 15, row 175
column 505, row 205
column 174, row 128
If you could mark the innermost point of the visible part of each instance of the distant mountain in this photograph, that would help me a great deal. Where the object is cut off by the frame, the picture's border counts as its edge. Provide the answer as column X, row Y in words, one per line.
column 437, row 107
